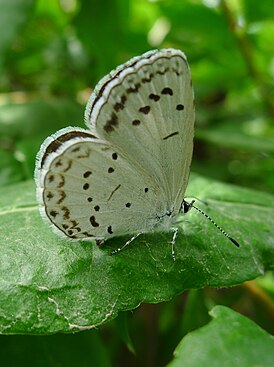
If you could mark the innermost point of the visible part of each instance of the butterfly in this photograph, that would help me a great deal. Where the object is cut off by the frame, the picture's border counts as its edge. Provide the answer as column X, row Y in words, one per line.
column 128, row 171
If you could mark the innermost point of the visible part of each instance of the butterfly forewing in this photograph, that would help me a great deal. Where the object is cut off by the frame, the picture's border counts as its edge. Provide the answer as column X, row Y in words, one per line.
column 146, row 109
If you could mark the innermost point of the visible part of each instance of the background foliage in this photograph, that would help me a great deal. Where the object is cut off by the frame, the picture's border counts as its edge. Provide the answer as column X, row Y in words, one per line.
column 52, row 53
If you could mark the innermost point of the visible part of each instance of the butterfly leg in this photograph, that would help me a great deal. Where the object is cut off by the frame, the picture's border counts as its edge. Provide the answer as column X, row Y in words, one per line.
column 126, row 244
column 175, row 234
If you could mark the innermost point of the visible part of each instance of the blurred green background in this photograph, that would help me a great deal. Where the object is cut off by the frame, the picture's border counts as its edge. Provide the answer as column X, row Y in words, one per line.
column 52, row 54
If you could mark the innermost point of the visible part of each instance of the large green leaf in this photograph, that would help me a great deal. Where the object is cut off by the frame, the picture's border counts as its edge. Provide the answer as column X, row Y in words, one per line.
column 228, row 340
column 48, row 284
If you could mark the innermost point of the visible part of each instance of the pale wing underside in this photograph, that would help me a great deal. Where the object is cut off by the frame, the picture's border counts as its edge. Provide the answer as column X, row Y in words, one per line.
column 146, row 108
column 128, row 173
column 86, row 188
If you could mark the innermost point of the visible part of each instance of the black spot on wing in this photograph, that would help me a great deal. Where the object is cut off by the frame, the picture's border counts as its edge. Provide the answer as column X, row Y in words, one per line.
column 53, row 213
column 118, row 106
column 93, row 222
column 170, row 135
column 62, row 197
column 86, row 174
column 109, row 229
column 180, row 107
column 61, row 182
column 85, row 186
column 111, row 123
column 113, row 191
column 66, row 212
column 134, row 89
column 167, row 91
column 49, row 195
column 136, row 122
column 145, row 110
column 154, row 97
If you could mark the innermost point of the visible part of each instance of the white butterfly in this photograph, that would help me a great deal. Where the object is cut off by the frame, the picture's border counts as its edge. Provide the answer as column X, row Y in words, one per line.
column 128, row 172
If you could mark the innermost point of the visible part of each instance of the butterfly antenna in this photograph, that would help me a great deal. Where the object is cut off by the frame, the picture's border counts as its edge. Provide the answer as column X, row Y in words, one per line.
column 188, row 206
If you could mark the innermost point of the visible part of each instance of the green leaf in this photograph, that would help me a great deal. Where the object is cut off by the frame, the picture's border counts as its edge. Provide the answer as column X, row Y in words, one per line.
column 48, row 284
column 230, row 339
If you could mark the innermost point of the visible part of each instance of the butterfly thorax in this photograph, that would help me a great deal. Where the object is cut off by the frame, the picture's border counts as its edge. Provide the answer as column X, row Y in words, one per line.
column 165, row 221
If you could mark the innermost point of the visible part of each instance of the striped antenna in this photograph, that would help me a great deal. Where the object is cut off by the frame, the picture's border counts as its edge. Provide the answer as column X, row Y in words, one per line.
column 187, row 206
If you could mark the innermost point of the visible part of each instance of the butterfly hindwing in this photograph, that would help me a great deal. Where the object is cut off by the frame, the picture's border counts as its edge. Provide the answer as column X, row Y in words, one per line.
column 88, row 189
